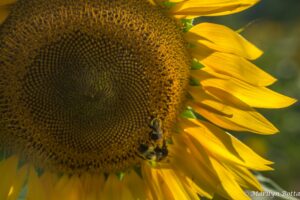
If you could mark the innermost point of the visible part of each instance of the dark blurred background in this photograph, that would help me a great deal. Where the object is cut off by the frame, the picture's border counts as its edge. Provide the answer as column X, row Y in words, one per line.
column 274, row 26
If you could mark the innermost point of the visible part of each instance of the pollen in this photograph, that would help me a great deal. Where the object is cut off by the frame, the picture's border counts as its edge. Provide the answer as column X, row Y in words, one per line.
column 80, row 81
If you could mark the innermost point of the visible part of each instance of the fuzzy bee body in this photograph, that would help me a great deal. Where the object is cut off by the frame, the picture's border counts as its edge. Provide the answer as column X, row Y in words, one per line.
column 147, row 152
column 153, row 154
column 162, row 152
column 158, row 150
column 156, row 132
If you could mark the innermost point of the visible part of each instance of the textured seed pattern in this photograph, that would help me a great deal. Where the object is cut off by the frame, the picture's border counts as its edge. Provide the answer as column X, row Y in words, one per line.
column 80, row 81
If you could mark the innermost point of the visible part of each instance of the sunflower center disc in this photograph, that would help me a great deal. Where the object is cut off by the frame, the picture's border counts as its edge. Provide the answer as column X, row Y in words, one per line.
column 80, row 81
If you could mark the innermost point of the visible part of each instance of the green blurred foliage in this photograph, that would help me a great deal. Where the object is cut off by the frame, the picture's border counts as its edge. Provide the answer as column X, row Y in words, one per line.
column 274, row 26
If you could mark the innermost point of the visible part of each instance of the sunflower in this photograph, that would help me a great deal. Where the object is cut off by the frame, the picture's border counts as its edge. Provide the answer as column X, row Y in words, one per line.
column 128, row 99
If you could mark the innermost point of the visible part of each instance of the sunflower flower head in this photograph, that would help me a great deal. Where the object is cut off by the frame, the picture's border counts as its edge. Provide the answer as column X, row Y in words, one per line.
column 128, row 99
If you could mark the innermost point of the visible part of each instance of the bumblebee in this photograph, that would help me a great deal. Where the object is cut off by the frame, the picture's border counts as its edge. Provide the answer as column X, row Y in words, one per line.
column 162, row 152
column 147, row 152
column 157, row 150
column 156, row 132
column 151, row 153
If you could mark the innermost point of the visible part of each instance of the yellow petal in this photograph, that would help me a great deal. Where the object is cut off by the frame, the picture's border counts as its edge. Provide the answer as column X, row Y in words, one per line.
column 173, row 1
column 5, row 7
column 4, row 11
column 48, row 181
column 174, row 184
column 8, row 170
column 136, row 185
column 200, row 168
column 7, row 2
column 237, row 67
column 241, row 120
column 92, row 185
column 115, row 189
column 200, row 52
column 211, row 7
column 36, row 191
column 233, row 113
column 68, row 188
column 155, row 183
column 18, row 183
column 59, row 187
column 259, row 97
column 244, row 177
column 223, row 39
column 197, row 168
column 232, row 188
column 226, row 147
column 194, row 190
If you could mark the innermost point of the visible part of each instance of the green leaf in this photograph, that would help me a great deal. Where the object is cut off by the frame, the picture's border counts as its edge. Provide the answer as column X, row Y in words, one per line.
column 120, row 175
column 188, row 113
column 196, row 65
column 194, row 82
column 187, row 24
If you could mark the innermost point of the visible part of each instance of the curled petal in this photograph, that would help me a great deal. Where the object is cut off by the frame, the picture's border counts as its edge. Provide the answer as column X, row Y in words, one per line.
column 237, row 67
column 223, row 145
column 223, row 39
column 211, row 7
column 244, row 177
column 230, row 113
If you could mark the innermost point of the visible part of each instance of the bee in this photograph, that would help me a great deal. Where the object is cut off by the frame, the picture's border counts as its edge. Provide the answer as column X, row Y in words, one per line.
column 151, row 153
column 157, row 150
column 162, row 152
column 147, row 152
column 156, row 132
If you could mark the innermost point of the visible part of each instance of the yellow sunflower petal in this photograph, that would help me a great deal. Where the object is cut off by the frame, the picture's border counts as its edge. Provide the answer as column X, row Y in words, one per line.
column 222, row 38
column 194, row 190
column 36, row 191
column 228, row 183
column 241, row 120
column 136, row 186
column 207, row 177
column 112, row 185
column 237, row 67
column 18, row 183
column 200, row 52
column 173, row 1
column 232, row 113
column 223, row 145
column 259, row 97
column 174, row 184
column 8, row 170
column 48, row 181
column 155, row 183
column 197, row 169
column 68, row 189
column 244, row 177
column 5, row 9
column 211, row 7
column 59, row 187
column 92, row 185
column 7, row 2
